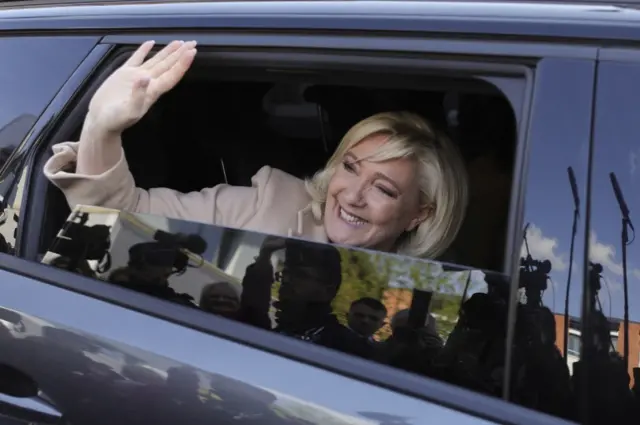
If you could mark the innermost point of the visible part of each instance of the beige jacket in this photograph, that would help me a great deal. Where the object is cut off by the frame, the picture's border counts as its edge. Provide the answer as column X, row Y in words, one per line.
column 276, row 203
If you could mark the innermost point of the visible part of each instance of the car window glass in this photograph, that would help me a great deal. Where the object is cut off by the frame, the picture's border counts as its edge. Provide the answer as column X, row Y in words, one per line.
column 552, row 239
column 26, row 89
column 611, row 337
column 403, row 312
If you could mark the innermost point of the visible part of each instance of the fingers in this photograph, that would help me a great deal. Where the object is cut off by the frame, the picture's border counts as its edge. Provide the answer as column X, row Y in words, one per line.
column 167, row 80
column 171, row 59
column 162, row 54
column 138, row 56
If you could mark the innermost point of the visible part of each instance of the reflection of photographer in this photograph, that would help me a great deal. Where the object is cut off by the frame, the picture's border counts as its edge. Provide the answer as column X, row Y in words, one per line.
column 79, row 243
column 151, row 264
column 309, row 281
column 414, row 342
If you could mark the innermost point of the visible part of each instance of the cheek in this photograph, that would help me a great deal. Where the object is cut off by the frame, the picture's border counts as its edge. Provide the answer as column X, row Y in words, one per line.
column 336, row 184
column 384, row 211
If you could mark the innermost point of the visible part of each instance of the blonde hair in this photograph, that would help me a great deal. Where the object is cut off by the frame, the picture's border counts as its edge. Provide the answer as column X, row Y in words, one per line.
column 442, row 174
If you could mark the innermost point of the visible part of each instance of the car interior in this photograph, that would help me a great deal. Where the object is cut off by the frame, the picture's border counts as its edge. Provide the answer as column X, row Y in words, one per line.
column 221, row 124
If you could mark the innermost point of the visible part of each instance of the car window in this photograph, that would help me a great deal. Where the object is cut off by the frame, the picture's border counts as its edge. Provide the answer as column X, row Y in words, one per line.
column 27, row 90
column 296, row 125
column 611, row 314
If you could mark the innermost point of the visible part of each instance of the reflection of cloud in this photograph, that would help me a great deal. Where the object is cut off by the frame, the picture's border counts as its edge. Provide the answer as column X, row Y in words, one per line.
column 604, row 254
column 636, row 273
column 543, row 248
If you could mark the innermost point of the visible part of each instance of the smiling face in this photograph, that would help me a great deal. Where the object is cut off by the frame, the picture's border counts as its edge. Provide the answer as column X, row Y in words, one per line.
column 369, row 203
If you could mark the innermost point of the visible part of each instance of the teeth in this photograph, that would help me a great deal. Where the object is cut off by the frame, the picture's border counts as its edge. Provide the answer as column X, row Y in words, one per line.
column 351, row 218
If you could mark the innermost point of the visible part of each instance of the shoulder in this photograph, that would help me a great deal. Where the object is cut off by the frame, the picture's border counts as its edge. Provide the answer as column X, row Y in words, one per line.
column 270, row 177
column 280, row 194
column 273, row 182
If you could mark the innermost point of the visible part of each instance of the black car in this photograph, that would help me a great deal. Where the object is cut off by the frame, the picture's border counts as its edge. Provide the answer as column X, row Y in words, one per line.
column 531, row 317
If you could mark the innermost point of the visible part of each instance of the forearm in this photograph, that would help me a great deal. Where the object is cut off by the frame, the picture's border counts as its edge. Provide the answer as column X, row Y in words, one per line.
column 98, row 151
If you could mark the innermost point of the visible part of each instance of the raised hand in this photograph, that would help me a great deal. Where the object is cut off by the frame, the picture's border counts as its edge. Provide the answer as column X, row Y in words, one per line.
column 128, row 93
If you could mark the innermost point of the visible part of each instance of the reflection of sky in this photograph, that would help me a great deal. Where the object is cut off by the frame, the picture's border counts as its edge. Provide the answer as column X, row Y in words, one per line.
column 22, row 80
column 549, row 235
column 617, row 150
column 549, row 206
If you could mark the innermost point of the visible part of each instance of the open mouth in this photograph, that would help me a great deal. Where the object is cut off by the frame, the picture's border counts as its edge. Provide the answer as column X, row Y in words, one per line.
column 351, row 219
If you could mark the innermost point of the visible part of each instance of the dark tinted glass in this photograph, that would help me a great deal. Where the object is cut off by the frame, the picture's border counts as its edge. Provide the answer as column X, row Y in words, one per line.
column 553, row 235
column 611, row 343
column 32, row 70
column 402, row 312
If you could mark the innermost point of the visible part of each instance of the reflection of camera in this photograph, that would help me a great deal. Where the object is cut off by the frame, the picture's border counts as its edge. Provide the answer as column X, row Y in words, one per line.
column 80, row 242
column 193, row 243
column 533, row 278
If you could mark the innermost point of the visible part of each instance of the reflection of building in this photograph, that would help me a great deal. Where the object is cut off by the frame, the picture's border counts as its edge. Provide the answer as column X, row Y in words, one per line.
column 616, row 330
column 12, row 134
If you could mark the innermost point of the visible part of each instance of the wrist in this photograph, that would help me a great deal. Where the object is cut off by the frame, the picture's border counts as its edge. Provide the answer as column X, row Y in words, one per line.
column 99, row 149
column 94, row 130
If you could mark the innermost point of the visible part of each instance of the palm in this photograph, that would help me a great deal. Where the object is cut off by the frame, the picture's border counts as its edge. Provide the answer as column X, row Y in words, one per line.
column 133, row 88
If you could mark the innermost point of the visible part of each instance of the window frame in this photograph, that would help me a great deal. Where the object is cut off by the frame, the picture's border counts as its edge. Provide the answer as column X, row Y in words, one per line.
column 421, row 387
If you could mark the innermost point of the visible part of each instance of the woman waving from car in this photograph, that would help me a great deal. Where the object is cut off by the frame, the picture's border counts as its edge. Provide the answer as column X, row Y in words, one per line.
column 393, row 184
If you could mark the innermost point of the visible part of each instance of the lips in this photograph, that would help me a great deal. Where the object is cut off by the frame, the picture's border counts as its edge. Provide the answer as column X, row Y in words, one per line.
column 351, row 219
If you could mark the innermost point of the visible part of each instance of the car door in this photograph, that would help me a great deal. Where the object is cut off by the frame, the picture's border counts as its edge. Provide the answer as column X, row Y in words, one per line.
column 91, row 352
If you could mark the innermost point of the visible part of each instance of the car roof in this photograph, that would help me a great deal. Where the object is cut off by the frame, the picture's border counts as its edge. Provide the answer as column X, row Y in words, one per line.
column 582, row 20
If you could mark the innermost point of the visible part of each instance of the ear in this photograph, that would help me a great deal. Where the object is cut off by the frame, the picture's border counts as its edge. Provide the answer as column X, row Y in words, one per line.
column 422, row 214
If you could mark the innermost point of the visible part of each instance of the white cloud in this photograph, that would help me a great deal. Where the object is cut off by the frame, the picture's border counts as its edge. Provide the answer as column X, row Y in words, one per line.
column 604, row 254
column 614, row 285
column 543, row 248
column 636, row 273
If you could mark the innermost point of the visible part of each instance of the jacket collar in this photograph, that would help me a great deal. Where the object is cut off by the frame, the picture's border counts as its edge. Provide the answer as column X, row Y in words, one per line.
column 309, row 227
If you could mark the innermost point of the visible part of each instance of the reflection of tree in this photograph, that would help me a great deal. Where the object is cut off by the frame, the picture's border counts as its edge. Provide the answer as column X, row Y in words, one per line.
column 363, row 275
column 391, row 280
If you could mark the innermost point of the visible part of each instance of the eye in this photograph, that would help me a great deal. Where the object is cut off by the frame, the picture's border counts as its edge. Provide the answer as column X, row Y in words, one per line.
column 349, row 166
column 387, row 192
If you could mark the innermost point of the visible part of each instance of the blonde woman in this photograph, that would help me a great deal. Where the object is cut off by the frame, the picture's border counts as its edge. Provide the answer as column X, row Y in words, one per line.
column 393, row 184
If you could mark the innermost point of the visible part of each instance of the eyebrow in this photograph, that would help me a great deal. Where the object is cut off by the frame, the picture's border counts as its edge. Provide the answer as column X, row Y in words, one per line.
column 377, row 174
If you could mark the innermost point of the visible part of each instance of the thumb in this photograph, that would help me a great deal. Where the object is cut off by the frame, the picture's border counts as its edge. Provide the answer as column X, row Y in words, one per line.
column 139, row 91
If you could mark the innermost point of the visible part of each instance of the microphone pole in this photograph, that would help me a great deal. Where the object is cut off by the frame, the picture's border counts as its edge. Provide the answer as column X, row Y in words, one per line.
column 626, row 221
column 576, row 214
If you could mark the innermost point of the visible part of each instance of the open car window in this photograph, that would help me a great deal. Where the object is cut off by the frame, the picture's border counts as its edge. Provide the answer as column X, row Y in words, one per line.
column 424, row 317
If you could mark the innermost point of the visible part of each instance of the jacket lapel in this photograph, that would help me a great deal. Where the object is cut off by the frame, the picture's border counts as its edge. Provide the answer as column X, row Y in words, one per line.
column 309, row 227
